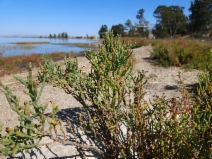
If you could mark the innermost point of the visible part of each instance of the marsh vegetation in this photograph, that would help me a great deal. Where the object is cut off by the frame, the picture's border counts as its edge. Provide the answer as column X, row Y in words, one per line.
column 15, row 64
column 116, row 116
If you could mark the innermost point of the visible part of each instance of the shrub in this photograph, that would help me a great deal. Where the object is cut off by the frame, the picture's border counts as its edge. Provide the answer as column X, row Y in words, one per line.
column 30, row 131
column 103, row 94
column 161, row 55
column 183, row 53
column 32, row 121
column 198, row 35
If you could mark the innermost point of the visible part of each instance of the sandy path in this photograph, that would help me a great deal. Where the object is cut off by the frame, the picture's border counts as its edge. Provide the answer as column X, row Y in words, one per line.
column 161, row 80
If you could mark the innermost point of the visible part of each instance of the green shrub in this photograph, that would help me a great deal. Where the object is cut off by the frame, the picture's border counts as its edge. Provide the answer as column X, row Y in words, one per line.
column 198, row 35
column 103, row 93
column 182, row 53
column 205, row 86
column 161, row 55
column 30, row 131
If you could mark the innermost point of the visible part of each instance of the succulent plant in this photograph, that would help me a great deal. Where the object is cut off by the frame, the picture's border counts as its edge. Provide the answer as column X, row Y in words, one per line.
column 30, row 115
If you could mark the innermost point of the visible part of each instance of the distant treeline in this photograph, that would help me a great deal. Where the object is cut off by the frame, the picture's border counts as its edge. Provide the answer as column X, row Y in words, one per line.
column 62, row 35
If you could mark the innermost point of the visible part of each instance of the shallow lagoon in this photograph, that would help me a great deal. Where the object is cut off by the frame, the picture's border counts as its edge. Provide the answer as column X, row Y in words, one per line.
column 54, row 45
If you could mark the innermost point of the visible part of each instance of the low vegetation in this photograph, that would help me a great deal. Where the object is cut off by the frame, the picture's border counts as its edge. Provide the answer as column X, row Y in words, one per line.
column 116, row 118
column 14, row 47
column 85, row 45
column 137, row 41
column 15, row 64
column 27, row 43
column 183, row 53
column 29, row 133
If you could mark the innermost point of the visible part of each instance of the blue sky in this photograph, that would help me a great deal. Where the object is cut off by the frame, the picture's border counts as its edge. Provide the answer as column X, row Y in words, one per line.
column 76, row 17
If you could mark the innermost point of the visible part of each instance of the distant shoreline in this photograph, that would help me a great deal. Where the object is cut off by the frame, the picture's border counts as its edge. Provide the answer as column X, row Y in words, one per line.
column 16, row 46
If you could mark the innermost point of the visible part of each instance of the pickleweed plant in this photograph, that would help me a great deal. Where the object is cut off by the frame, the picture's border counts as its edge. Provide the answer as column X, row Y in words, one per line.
column 31, row 118
column 111, row 94
column 181, row 128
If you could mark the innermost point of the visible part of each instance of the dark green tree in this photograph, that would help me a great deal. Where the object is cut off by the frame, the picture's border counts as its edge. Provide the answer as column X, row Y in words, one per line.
column 103, row 30
column 62, row 35
column 118, row 29
column 142, row 23
column 160, row 31
column 129, row 27
column 170, row 19
column 66, row 35
column 140, row 16
column 54, row 36
column 50, row 35
column 201, row 15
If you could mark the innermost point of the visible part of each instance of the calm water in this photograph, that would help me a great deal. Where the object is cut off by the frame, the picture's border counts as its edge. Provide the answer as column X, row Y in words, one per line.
column 54, row 46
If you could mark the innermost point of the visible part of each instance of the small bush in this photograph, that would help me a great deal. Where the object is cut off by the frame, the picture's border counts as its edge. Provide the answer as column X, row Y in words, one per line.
column 183, row 53
column 161, row 55
column 198, row 35
column 30, row 130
